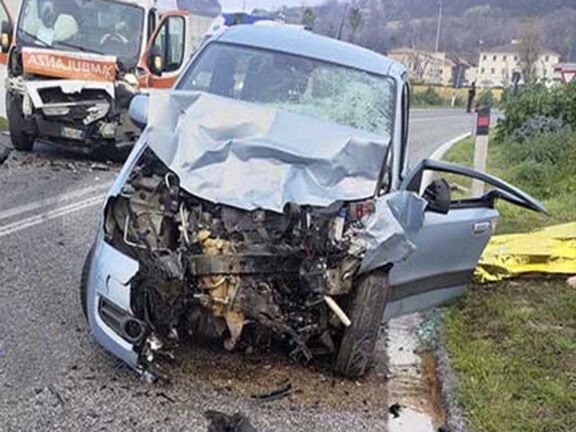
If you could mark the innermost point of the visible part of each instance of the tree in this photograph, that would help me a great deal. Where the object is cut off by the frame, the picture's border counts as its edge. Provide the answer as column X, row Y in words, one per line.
column 529, row 51
column 308, row 17
column 355, row 19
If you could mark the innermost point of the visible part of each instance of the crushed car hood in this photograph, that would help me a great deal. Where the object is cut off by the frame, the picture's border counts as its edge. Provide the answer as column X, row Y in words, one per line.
column 258, row 157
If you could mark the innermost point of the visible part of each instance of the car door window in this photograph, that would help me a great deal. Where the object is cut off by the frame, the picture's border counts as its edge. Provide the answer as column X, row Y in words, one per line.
column 169, row 42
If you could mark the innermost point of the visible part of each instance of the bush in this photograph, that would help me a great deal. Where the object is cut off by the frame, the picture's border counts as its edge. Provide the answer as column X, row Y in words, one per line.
column 543, row 163
column 536, row 126
column 486, row 99
column 538, row 101
column 428, row 98
column 460, row 102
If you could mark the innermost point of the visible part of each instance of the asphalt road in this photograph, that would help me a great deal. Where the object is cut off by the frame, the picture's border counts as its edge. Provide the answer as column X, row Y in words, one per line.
column 54, row 377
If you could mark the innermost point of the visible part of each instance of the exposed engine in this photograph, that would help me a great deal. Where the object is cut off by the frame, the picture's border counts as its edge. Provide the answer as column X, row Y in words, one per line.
column 210, row 270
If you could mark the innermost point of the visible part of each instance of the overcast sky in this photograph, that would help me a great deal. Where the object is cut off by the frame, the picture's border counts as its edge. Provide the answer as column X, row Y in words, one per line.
column 237, row 5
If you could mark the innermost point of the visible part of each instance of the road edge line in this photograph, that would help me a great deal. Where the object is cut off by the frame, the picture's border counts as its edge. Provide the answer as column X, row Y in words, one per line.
column 54, row 200
column 50, row 215
column 441, row 151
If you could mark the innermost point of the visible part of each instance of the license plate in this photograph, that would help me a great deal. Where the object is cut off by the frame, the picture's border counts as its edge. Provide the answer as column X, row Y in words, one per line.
column 72, row 133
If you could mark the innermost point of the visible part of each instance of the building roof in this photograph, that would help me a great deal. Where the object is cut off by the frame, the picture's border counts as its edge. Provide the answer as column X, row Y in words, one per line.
column 513, row 48
column 308, row 44
column 439, row 56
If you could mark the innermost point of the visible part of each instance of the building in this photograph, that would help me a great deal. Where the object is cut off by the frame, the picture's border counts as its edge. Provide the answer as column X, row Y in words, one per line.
column 425, row 67
column 497, row 65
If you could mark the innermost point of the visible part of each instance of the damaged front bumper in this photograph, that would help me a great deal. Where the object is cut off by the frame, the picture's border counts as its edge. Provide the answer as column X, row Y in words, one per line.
column 108, row 303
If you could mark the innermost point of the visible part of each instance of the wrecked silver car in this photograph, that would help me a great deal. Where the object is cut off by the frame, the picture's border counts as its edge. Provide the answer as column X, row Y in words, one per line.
column 268, row 199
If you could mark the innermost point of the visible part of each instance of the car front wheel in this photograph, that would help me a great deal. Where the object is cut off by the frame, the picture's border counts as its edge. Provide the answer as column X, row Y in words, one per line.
column 367, row 304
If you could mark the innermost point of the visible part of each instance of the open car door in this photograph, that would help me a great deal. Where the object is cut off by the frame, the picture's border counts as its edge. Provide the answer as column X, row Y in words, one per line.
column 451, row 241
column 169, row 45
column 6, row 26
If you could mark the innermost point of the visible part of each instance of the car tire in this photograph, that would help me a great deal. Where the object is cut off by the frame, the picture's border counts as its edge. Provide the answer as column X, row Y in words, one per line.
column 84, row 282
column 21, row 140
column 367, row 304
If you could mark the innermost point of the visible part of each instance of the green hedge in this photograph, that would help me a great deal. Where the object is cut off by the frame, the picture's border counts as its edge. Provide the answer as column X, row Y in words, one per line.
column 538, row 101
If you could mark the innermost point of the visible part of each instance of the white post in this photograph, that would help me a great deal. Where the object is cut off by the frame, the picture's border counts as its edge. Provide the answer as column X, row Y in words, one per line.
column 481, row 149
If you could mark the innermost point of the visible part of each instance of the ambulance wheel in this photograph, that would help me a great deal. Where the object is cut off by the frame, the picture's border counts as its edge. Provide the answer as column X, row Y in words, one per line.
column 21, row 140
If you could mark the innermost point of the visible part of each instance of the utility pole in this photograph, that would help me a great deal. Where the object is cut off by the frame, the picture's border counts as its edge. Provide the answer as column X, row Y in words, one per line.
column 439, row 30
column 244, row 6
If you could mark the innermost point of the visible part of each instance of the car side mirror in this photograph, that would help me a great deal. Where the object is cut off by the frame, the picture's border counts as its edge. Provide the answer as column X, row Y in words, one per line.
column 438, row 194
column 6, row 37
column 155, row 61
column 139, row 111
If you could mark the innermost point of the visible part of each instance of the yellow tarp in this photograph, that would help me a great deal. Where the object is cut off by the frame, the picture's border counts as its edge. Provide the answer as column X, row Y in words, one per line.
column 551, row 250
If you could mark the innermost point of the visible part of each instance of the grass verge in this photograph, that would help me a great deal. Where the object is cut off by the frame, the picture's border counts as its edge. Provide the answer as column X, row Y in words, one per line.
column 513, row 344
column 513, row 348
column 3, row 124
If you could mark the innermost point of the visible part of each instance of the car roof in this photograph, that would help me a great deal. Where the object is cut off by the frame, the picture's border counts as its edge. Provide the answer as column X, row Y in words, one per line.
column 307, row 44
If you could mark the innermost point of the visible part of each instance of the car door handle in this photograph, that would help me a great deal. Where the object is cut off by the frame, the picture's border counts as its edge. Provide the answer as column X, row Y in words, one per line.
column 481, row 228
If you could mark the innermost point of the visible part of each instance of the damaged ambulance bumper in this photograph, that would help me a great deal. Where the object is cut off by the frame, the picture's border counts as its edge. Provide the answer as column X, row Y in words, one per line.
column 80, row 115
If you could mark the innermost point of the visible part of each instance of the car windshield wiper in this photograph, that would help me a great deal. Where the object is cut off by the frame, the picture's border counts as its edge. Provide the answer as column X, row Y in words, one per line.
column 80, row 48
column 34, row 38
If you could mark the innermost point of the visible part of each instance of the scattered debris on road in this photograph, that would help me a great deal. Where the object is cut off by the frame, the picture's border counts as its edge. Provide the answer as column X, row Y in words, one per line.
column 395, row 410
column 220, row 422
column 284, row 389
column 12, row 159
column 4, row 153
column 56, row 394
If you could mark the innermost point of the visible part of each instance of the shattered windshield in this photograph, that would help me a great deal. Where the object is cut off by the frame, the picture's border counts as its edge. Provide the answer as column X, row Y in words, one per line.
column 94, row 26
column 326, row 91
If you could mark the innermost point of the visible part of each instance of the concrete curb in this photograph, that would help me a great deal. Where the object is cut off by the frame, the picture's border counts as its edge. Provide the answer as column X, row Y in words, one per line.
column 447, row 384
column 406, row 380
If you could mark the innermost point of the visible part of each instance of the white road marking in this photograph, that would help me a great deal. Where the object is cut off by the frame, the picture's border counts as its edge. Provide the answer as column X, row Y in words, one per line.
column 443, row 149
column 428, row 176
column 50, row 215
column 36, row 205
column 429, row 119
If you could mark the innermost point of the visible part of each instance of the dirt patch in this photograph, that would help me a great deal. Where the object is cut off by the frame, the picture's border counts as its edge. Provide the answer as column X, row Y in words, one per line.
column 430, row 375
column 314, row 385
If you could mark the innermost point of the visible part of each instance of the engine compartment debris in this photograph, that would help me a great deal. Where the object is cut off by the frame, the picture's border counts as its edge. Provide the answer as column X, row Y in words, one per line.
column 248, row 278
